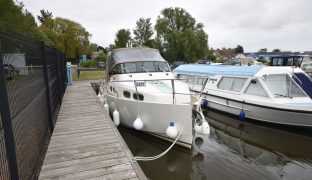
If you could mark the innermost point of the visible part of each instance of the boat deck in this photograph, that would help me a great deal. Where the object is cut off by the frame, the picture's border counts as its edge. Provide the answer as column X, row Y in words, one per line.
column 85, row 143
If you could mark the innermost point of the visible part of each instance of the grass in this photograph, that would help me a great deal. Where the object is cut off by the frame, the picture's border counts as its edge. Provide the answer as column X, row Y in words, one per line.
column 89, row 75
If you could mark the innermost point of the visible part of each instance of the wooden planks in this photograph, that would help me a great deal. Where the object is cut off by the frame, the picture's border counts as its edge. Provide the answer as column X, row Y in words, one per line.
column 85, row 143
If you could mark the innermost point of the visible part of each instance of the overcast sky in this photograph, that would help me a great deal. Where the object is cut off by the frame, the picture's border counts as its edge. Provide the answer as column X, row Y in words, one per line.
column 254, row 24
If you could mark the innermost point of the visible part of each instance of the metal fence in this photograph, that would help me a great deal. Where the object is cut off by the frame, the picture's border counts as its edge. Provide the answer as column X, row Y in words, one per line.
column 32, row 84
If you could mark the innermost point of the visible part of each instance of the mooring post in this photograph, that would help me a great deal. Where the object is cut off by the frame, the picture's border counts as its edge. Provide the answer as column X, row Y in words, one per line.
column 7, row 123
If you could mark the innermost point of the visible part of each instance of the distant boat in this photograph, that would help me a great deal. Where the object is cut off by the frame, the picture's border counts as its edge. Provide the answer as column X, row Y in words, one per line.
column 141, row 84
column 279, row 95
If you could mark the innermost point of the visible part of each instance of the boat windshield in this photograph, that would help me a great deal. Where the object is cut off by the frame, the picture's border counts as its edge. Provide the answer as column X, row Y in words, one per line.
column 282, row 85
column 140, row 67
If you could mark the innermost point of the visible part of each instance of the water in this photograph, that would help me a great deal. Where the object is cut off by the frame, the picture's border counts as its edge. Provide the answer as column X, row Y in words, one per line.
column 233, row 150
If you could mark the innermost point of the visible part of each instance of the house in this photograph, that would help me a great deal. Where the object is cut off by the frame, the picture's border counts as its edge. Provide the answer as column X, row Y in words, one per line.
column 223, row 54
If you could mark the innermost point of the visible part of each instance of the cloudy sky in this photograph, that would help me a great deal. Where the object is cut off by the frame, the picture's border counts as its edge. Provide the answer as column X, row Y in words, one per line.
column 254, row 24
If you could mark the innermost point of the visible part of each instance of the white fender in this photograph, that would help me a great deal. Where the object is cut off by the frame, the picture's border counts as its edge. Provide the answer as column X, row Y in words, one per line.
column 106, row 107
column 116, row 117
column 138, row 123
column 197, row 128
column 205, row 128
column 172, row 131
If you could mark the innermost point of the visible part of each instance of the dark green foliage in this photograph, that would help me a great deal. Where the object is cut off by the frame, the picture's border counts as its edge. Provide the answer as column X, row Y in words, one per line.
column 143, row 33
column 44, row 16
column 239, row 49
column 123, row 38
column 13, row 16
column 210, row 56
column 68, row 37
column 100, row 48
column 276, row 50
column 263, row 50
column 179, row 37
column 89, row 64
column 101, row 57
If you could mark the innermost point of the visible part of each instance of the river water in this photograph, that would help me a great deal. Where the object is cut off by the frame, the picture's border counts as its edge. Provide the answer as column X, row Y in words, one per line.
column 233, row 150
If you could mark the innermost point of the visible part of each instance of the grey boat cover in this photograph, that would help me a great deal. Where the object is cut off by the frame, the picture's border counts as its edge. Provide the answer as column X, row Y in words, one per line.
column 125, row 55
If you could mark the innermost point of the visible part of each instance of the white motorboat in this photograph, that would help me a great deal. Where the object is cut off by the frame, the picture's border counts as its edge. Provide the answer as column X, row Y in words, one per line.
column 141, row 84
column 276, row 94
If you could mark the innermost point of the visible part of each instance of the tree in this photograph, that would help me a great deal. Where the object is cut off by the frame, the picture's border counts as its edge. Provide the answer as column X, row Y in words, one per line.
column 179, row 37
column 100, row 48
column 143, row 33
column 239, row 49
column 123, row 38
column 276, row 50
column 101, row 57
column 45, row 15
column 210, row 55
column 110, row 48
column 14, row 16
column 67, row 36
column 263, row 50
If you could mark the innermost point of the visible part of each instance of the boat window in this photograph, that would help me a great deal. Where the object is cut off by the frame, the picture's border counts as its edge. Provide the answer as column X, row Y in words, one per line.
column 255, row 88
column 141, row 97
column 140, row 67
column 232, row 83
column 182, row 77
column 118, row 69
column 281, row 85
column 126, row 94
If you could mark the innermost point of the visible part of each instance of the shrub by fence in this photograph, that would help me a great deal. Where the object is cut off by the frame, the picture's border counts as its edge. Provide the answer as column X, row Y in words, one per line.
column 32, row 84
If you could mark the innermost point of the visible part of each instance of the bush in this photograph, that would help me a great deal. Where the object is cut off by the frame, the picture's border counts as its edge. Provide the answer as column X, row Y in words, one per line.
column 89, row 64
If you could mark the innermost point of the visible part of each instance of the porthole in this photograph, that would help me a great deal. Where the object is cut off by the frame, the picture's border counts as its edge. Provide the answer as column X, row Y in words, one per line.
column 141, row 97
column 126, row 94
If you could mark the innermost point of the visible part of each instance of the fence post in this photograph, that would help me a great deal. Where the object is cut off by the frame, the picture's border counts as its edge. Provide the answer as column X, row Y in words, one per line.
column 64, row 70
column 7, row 124
column 46, row 81
column 57, row 77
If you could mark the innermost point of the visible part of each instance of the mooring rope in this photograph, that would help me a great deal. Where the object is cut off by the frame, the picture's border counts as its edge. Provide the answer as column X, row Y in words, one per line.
column 151, row 158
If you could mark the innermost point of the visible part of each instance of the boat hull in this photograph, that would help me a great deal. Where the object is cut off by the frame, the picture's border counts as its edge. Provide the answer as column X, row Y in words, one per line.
column 261, row 113
column 155, row 117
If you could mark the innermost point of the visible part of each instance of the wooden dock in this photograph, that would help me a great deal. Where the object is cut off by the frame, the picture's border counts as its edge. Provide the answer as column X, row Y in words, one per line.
column 85, row 143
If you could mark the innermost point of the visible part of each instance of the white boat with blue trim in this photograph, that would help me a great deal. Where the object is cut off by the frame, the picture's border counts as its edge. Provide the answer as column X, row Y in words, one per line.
column 141, row 86
column 280, row 95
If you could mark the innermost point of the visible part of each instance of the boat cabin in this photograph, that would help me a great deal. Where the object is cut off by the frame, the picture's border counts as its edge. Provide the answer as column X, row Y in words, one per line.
column 135, row 60
column 270, row 82
column 286, row 60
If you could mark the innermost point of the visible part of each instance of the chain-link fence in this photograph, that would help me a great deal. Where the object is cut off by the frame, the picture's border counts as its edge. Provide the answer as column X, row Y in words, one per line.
column 32, row 84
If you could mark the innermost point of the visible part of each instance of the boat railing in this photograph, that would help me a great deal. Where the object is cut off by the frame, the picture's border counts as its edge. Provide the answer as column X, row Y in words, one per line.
column 103, row 84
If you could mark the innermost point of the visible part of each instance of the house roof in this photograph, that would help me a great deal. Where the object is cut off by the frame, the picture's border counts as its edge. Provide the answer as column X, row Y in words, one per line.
column 227, row 54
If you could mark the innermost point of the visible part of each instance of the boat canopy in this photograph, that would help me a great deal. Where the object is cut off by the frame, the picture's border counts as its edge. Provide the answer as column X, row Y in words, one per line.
column 212, row 70
column 126, row 55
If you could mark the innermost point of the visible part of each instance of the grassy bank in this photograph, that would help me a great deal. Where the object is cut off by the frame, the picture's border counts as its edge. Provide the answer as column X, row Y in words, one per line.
column 89, row 75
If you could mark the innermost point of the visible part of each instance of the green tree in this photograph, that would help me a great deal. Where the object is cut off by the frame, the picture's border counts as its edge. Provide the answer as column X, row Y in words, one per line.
column 14, row 16
column 276, row 50
column 239, row 49
column 179, row 37
column 109, row 48
column 210, row 55
column 67, row 36
column 44, row 15
column 143, row 33
column 100, row 48
column 123, row 38
column 263, row 50
column 101, row 57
